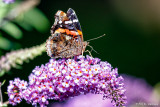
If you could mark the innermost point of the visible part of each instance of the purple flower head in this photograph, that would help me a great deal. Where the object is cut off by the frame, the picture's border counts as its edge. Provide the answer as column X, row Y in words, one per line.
column 138, row 93
column 65, row 78
column 15, row 90
column 8, row 1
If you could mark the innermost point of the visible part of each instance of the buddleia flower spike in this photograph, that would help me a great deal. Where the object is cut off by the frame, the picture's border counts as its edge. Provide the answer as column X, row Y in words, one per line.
column 65, row 78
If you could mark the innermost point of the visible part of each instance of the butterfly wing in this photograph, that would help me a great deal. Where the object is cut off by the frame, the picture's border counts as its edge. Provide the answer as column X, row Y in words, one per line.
column 63, row 46
column 73, row 17
column 66, row 40
column 62, row 21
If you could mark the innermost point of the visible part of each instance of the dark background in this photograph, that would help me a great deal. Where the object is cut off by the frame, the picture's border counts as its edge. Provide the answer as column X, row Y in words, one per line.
column 132, row 41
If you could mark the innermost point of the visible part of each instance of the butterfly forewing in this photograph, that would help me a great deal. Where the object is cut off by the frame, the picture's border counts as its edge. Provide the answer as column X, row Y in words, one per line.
column 73, row 17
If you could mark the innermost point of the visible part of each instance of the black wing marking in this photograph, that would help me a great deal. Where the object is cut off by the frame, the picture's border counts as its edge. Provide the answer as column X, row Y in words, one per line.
column 73, row 17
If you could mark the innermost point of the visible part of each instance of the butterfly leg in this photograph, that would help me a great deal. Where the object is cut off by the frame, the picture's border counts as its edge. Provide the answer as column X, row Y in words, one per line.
column 72, row 57
column 88, row 52
column 82, row 53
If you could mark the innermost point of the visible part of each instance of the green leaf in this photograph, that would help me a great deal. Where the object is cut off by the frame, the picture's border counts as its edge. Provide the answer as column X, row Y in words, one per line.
column 37, row 19
column 24, row 25
column 3, row 82
column 3, row 11
column 5, row 43
column 12, row 30
column 2, row 72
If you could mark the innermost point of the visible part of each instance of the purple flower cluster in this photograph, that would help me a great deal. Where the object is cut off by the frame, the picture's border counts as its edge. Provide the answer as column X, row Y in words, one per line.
column 15, row 90
column 64, row 78
column 8, row 1
column 138, row 93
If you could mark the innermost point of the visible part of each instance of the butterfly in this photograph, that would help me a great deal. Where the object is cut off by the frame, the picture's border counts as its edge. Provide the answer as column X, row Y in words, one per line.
column 66, row 38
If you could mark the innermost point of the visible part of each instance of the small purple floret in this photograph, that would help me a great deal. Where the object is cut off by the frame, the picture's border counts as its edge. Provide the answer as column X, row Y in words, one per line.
column 64, row 78
column 8, row 1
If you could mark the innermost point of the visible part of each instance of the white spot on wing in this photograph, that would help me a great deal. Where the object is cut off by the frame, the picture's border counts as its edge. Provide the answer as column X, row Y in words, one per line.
column 73, row 13
column 75, row 20
column 67, row 22
column 60, row 22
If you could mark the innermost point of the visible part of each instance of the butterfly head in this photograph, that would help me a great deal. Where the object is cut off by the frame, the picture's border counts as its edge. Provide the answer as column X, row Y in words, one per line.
column 85, row 44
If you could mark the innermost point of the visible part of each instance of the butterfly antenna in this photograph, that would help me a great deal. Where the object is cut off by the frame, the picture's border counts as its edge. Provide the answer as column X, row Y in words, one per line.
column 93, row 49
column 96, row 37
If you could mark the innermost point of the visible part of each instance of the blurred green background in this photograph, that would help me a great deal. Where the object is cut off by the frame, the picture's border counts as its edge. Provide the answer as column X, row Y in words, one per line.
column 132, row 41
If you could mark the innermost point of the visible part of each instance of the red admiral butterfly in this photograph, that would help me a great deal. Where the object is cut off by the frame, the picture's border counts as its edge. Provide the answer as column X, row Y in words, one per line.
column 66, row 38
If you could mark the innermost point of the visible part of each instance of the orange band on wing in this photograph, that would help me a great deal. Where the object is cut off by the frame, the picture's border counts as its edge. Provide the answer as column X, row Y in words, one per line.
column 73, row 33
column 67, row 31
column 79, row 32
column 60, row 30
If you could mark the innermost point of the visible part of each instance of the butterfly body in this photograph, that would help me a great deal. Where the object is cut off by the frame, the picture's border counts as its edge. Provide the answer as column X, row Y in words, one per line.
column 66, row 38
